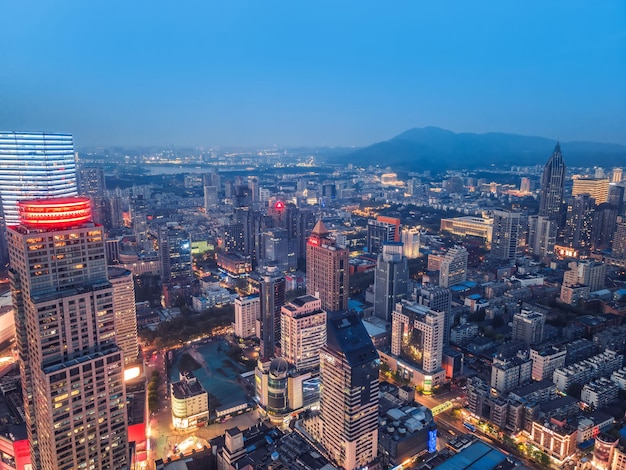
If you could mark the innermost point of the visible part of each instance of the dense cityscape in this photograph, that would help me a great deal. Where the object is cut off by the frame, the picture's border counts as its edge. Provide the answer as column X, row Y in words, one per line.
column 278, row 235
column 183, row 309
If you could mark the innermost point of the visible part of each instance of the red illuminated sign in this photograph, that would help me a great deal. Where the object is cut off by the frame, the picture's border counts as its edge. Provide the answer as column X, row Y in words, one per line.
column 279, row 206
column 54, row 213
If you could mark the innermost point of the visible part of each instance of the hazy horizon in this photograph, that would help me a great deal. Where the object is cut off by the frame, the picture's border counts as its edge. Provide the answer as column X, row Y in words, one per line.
column 283, row 74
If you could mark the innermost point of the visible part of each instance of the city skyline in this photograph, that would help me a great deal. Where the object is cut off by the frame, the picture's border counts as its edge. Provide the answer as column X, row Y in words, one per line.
column 336, row 75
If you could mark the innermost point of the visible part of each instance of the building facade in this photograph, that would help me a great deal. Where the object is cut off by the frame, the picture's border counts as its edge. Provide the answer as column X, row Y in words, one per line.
column 391, row 280
column 65, row 322
column 125, row 312
column 453, row 267
column 528, row 326
column 349, row 399
column 505, row 237
column 327, row 270
column 247, row 312
column 303, row 332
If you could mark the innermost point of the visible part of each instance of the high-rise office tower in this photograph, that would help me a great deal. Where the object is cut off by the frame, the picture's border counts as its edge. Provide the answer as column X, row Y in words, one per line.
column 579, row 221
column 597, row 188
column 505, row 235
column 91, row 183
column 71, row 367
column 453, row 268
column 524, row 186
column 210, row 198
column 125, row 310
column 33, row 165
column 528, row 326
column 603, row 226
column 617, row 197
column 550, row 199
column 391, row 279
column 253, row 184
column 138, row 209
column 349, row 396
column 327, row 270
column 233, row 238
column 411, row 241
column 552, row 182
column 276, row 249
column 175, row 253
column 270, row 283
column 542, row 235
column 616, row 175
column 299, row 223
column 381, row 230
column 438, row 299
column 417, row 335
column 619, row 239
column 247, row 312
column 303, row 332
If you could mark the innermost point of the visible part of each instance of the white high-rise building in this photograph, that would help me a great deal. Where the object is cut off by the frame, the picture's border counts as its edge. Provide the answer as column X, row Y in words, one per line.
column 505, row 235
column 417, row 334
column 411, row 241
column 247, row 312
column 125, row 312
column 453, row 268
column 303, row 332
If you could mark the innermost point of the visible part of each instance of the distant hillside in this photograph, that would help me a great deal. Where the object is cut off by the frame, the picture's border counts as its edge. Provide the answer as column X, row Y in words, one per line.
column 432, row 148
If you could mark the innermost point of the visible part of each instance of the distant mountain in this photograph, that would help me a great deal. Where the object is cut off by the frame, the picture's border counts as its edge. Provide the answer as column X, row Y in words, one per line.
column 432, row 148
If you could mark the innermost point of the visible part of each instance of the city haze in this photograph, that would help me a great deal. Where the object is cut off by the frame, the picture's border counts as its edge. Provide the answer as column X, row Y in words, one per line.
column 285, row 74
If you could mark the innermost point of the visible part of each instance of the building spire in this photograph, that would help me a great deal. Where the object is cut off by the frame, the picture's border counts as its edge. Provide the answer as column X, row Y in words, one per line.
column 320, row 229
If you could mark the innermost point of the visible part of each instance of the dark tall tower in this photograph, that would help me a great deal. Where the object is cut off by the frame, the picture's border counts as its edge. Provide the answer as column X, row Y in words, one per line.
column 579, row 220
column 270, row 283
column 506, row 228
column 349, row 394
column 544, row 228
column 552, row 181
column 391, row 279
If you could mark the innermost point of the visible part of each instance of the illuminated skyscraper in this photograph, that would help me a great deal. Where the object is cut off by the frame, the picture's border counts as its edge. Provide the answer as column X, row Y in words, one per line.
column 598, row 188
column 579, row 221
column 175, row 253
column 327, row 270
column 70, row 364
column 303, row 332
column 349, row 395
column 125, row 312
column 33, row 165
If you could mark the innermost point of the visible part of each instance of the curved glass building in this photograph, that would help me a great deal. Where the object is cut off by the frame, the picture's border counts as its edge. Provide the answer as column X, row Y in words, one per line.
column 35, row 165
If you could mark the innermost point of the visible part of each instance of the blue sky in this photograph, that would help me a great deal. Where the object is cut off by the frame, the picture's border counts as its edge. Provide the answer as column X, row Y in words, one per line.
column 311, row 73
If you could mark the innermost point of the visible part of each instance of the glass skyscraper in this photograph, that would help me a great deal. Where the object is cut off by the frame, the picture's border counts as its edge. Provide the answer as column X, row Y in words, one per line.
column 35, row 165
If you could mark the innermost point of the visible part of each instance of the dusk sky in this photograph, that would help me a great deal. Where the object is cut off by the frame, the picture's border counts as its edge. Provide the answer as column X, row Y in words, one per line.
column 338, row 73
